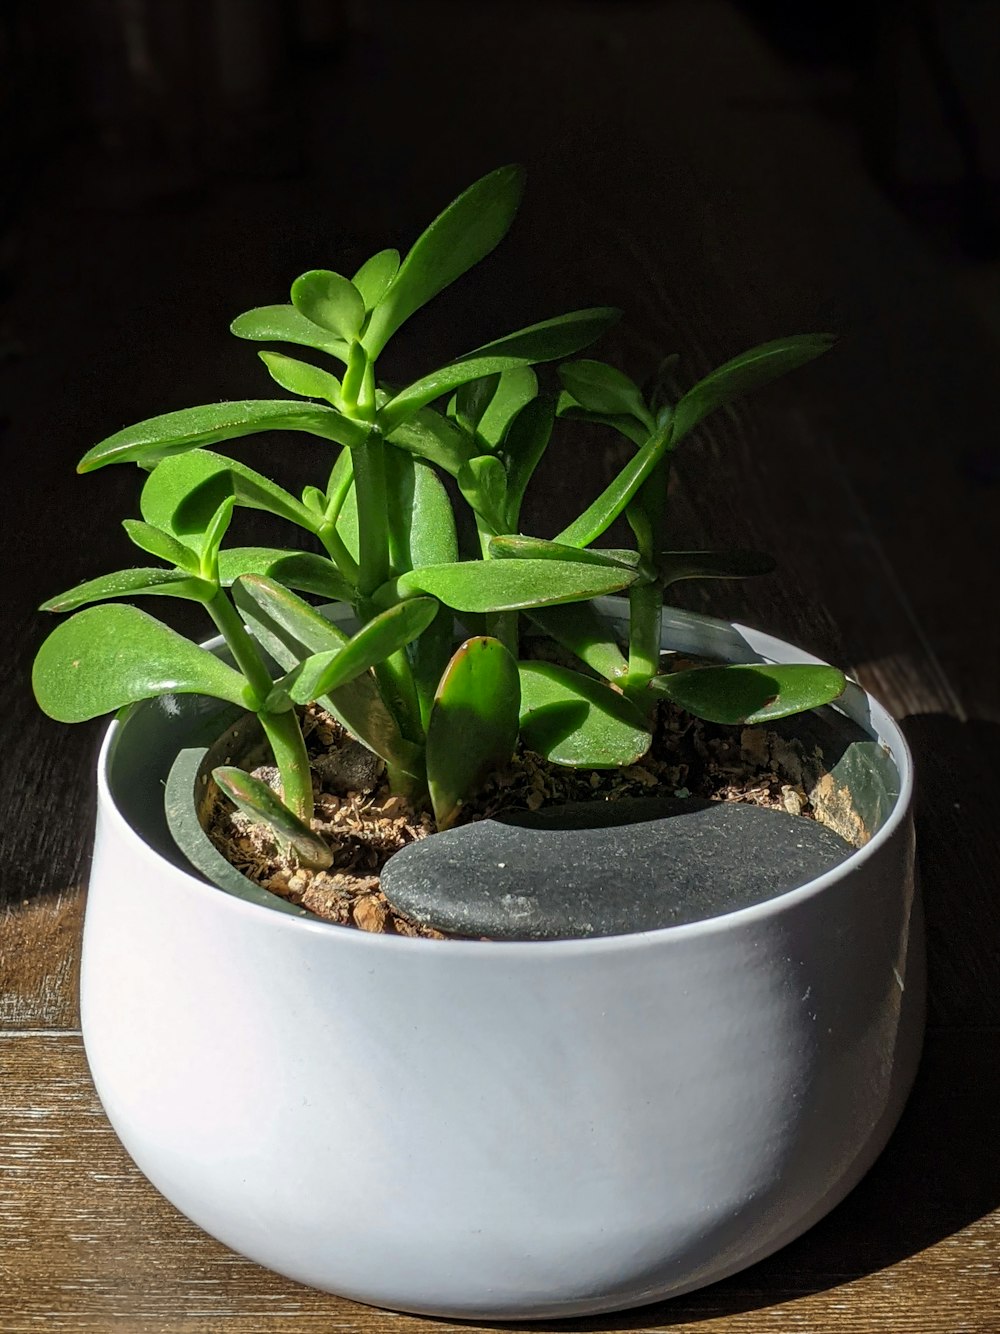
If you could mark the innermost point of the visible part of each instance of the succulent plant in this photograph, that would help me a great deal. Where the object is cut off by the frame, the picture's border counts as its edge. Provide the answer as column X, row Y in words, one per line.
column 432, row 680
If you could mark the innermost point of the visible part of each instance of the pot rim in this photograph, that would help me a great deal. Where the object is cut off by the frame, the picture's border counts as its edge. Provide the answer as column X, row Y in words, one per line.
column 884, row 725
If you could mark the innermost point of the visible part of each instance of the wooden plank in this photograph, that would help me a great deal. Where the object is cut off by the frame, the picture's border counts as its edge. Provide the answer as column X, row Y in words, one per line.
column 88, row 1245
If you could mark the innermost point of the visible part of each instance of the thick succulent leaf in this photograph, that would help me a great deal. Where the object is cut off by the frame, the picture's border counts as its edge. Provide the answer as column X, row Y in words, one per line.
column 615, row 497
column 751, row 693
column 379, row 639
column 473, row 724
column 215, row 531
column 290, row 630
column 331, row 301
column 515, row 388
column 574, row 720
column 182, row 493
column 748, row 371
column 516, row 547
column 471, row 401
column 560, row 336
column 287, row 627
column 106, row 657
column 524, row 444
column 510, row 585
column 466, row 232
column 299, row 377
column 428, row 435
column 423, row 528
column 255, row 799
column 674, row 565
column 539, row 342
column 302, row 570
column 578, row 628
column 568, row 408
column 314, row 498
column 284, row 324
column 158, row 542
column 483, row 482
column 132, row 583
column 177, row 432
column 375, row 275
column 603, row 389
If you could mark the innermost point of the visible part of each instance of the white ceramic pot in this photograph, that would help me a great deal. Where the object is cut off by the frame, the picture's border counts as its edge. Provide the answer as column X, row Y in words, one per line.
column 499, row 1130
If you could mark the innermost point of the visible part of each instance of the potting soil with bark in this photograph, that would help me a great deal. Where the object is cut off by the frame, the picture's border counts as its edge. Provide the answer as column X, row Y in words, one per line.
column 365, row 824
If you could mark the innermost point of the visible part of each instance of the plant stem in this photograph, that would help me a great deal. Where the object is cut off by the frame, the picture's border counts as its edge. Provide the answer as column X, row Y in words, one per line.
column 373, row 536
column 338, row 553
column 281, row 729
column 502, row 625
column 645, row 613
column 242, row 647
column 289, row 748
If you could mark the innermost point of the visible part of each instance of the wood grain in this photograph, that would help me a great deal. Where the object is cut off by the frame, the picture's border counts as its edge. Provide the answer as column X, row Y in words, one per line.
column 676, row 168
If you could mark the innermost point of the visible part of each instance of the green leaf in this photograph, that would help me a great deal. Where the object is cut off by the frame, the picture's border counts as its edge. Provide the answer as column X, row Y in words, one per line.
column 472, row 400
column 514, row 390
column 473, row 724
column 547, row 341
column 215, row 531
column 574, row 720
column 526, row 441
column 158, row 542
column 751, row 693
column 615, row 497
column 132, row 583
column 354, row 375
column 302, row 570
column 674, row 565
column 182, row 493
column 466, row 232
column 314, row 497
column 299, row 377
column 380, row 638
column 255, row 799
column 578, row 628
column 600, row 388
column 430, row 436
column 516, row 547
column 483, row 482
column 331, row 301
column 178, row 432
column 509, row 585
column 290, row 630
column 375, row 275
column 568, row 408
column 422, row 531
column 748, row 371
column 106, row 657
column 284, row 324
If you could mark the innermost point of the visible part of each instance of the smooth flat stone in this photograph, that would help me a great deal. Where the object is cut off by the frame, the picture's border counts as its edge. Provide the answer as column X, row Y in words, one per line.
column 605, row 869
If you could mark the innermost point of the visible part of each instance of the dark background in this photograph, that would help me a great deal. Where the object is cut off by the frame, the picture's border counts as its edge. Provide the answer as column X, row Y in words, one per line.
column 727, row 172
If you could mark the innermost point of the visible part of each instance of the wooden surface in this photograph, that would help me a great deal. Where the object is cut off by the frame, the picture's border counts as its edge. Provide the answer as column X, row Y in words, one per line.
column 677, row 169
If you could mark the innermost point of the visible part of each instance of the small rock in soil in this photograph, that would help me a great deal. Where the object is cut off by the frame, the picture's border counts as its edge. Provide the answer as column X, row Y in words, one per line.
column 605, row 869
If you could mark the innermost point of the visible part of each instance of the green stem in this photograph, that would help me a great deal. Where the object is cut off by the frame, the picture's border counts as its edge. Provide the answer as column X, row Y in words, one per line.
column 502, row 625
column 337, row 550
column 373, row 536
column 285, row 736
column 645, row 613
column 281, row 729
column 242, row 647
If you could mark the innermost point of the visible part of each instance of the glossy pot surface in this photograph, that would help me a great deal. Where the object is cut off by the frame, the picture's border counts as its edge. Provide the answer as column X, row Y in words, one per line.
column 500, row 1130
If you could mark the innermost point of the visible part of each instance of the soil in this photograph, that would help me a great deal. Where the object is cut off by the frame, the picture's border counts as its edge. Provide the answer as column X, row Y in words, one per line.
column 365, row 824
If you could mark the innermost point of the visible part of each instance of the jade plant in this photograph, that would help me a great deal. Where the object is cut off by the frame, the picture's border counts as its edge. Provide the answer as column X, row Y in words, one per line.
column 433, row 680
